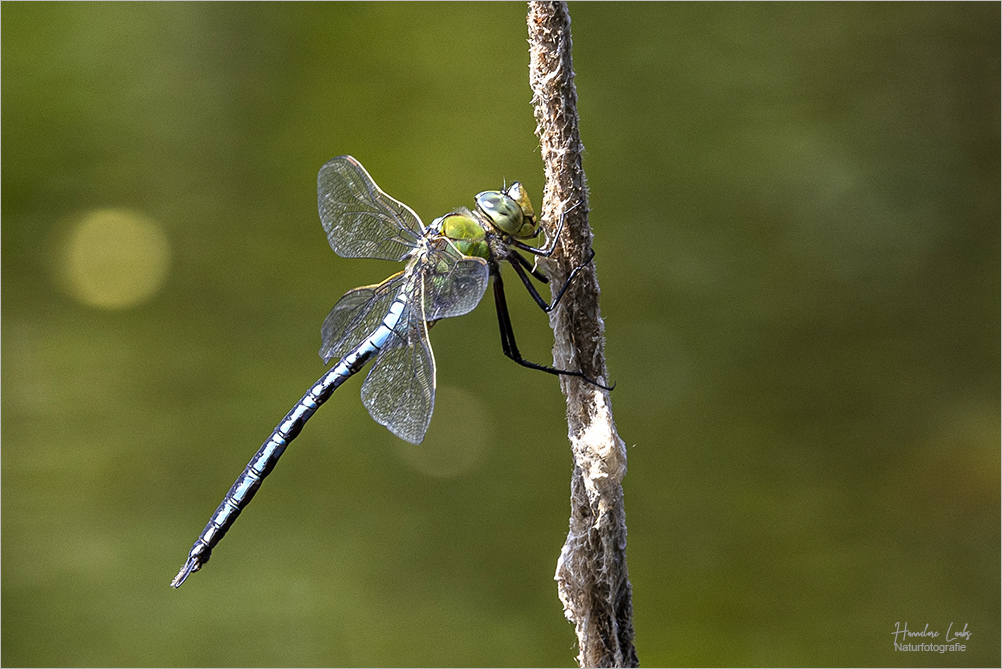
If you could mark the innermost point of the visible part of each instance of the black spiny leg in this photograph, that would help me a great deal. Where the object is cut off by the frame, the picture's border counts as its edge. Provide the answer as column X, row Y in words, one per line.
column 548, row 251
column 508, row 345
column 521, row 265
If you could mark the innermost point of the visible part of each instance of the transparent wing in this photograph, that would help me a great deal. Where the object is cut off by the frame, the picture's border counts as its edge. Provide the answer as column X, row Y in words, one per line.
column 361, row 220
column 452, row 287
column 400, row 390
column 356, row 316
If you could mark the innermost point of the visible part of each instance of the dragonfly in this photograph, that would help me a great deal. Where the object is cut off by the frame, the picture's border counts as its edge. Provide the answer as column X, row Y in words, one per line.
column 448, row 266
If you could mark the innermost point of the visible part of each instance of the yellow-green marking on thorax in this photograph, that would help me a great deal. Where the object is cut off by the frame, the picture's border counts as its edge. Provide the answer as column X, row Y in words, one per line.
column 465, row 232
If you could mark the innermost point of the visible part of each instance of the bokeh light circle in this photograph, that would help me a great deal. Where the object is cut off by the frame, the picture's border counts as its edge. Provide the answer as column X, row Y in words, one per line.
column 114, row 258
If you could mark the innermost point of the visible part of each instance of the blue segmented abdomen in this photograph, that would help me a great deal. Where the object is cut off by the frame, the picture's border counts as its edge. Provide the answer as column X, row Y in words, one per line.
column 267, row 456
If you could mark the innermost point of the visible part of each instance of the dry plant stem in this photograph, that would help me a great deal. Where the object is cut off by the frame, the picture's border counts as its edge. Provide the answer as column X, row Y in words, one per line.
column 592, row 578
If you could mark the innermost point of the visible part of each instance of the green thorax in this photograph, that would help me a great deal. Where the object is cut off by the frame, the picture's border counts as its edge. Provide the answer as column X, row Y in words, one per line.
column 465, row 232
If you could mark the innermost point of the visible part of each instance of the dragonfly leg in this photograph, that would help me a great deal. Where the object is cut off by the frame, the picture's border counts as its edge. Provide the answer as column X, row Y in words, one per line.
column 521, row 264
column 531, row 269
column 548, row 250
column 520, row 270
column 510, row 348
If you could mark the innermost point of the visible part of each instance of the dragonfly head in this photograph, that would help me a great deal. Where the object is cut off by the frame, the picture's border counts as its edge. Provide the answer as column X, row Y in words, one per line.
column 510, row 211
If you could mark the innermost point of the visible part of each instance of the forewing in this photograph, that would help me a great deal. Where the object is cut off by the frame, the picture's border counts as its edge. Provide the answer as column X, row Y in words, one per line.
column 356, row 316
column 452, row 287
column 361, row 220
column 400, row 390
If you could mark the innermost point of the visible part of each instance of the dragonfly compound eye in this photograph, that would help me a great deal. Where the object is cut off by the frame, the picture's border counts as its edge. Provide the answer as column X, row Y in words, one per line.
column 506, row 213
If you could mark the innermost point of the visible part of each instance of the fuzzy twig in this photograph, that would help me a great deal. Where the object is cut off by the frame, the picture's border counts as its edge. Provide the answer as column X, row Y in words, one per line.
column 593, row 582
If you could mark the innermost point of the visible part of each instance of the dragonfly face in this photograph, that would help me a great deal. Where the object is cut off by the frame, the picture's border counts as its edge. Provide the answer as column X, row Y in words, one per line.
column 509, row 211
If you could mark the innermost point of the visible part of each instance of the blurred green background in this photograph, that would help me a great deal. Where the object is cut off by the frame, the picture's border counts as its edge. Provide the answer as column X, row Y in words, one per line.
column 796, row 215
